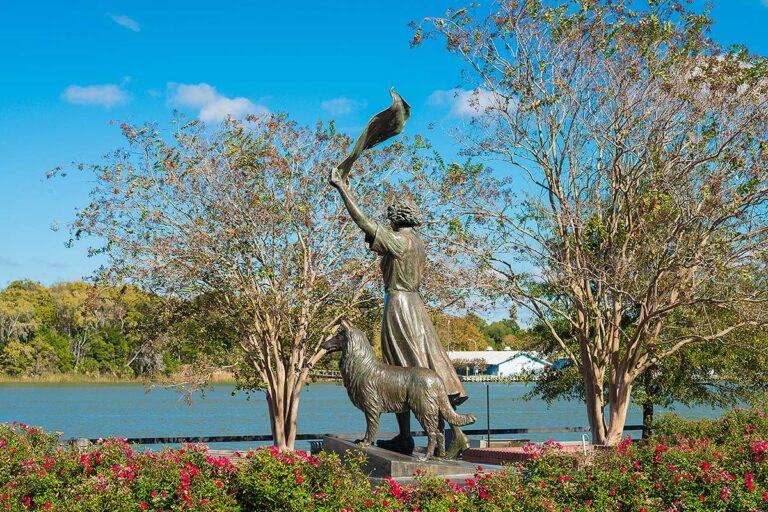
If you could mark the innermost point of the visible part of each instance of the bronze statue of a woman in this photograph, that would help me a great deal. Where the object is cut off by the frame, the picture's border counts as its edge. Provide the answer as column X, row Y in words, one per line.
column 408, row 337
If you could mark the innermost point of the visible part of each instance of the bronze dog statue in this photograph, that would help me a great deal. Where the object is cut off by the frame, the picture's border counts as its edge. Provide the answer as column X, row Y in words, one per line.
column 375, row 387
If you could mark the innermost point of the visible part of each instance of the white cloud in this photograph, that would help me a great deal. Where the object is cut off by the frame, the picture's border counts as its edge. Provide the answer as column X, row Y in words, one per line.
column 106, row 95
column 464, row 103
column 125, row 21
column 213, row 106
column 341, row 106
column 764, row 2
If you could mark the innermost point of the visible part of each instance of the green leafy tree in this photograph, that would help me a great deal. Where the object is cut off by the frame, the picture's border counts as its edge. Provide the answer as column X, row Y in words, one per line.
column 103, row 323
column 17, row 358
column 457, row 333
column 503, row 333
column 24, row 306
column 635, row 177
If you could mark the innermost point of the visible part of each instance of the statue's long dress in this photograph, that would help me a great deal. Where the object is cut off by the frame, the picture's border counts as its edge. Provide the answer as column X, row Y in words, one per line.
column 408, row 337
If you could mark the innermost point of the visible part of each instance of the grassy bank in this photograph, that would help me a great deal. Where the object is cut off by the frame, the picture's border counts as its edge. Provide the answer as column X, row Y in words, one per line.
column 79, row 378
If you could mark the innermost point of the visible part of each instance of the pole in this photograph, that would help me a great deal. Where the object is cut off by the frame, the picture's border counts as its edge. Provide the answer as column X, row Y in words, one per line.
column 488, row 412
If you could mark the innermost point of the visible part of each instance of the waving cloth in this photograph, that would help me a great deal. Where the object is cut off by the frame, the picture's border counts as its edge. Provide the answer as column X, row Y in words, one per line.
column 382, row 126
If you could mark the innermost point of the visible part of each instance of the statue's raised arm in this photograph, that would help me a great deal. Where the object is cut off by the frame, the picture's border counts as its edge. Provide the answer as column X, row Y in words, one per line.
column 384, row 125
column 360, row 218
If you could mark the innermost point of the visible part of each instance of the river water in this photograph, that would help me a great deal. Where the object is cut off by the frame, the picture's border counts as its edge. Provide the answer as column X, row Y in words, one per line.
column 125, row 410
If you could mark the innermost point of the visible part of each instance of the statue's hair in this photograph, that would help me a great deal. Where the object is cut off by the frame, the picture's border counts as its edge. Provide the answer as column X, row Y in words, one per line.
column 404, row 212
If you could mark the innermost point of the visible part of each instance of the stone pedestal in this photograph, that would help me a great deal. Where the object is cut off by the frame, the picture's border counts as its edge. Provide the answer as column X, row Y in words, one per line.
column 383, row 463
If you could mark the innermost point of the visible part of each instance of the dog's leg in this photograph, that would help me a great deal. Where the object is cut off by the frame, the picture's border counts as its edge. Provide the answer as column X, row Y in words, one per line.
column 429, row 424
column 460, row 441
column 440, row 448
column 371, row 427
column 432, row 440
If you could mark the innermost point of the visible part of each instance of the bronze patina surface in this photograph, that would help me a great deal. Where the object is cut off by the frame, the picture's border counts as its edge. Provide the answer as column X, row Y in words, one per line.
column 375, row 387
column 408, row 338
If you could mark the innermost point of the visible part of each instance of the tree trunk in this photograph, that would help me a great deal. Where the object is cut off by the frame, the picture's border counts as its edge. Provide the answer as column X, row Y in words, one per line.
column 620, row 394
column 648, row 405
column 593, row 387
column 283, row 401
column 647, row 419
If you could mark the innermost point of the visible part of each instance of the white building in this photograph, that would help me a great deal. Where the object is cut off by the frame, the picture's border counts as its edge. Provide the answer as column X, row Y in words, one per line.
column 501, row 363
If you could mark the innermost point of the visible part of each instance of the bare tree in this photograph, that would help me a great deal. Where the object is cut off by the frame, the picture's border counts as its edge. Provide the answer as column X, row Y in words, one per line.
column 244, row 214
column 630, row 175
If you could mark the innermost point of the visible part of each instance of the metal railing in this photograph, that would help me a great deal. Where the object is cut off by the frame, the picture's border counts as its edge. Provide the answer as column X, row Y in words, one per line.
column 347, row 435
column 326, row 374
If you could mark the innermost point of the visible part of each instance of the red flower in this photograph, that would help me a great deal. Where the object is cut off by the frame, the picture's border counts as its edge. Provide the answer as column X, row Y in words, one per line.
column 749, row 481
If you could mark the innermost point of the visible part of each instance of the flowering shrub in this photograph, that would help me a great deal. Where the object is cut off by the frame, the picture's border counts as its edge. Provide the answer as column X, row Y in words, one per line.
column 269, row 480
column 705, row 465
column 37, row 474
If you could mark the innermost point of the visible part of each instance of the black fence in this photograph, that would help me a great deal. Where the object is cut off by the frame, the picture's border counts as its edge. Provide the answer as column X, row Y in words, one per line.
column 348, row 435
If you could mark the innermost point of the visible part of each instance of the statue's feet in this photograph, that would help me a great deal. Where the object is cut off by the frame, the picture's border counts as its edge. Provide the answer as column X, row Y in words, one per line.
column 459, row 443
column 399, row 443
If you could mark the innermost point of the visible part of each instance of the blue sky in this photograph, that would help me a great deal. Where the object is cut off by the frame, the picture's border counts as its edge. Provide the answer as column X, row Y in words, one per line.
column 71, row 68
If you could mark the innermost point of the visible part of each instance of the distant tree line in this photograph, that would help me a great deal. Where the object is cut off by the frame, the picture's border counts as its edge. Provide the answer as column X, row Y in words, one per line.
column 96, row 330
column 125, row 332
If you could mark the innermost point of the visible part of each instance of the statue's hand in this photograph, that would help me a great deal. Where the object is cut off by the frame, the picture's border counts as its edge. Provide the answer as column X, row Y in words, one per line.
column 335, row 178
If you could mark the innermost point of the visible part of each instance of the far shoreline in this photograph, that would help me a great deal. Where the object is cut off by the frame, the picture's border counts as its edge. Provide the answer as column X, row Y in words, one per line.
column 79, row 378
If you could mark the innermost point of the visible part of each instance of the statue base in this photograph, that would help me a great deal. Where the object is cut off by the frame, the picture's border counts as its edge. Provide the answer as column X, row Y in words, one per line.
column 382, row 463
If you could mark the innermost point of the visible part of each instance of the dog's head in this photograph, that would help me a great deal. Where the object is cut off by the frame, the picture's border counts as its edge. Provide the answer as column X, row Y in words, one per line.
column 339, row 341
column 347, row 336
column 336, row 343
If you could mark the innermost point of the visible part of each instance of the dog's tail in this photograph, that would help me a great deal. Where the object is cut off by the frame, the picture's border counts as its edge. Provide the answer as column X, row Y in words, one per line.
column 454, row 418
